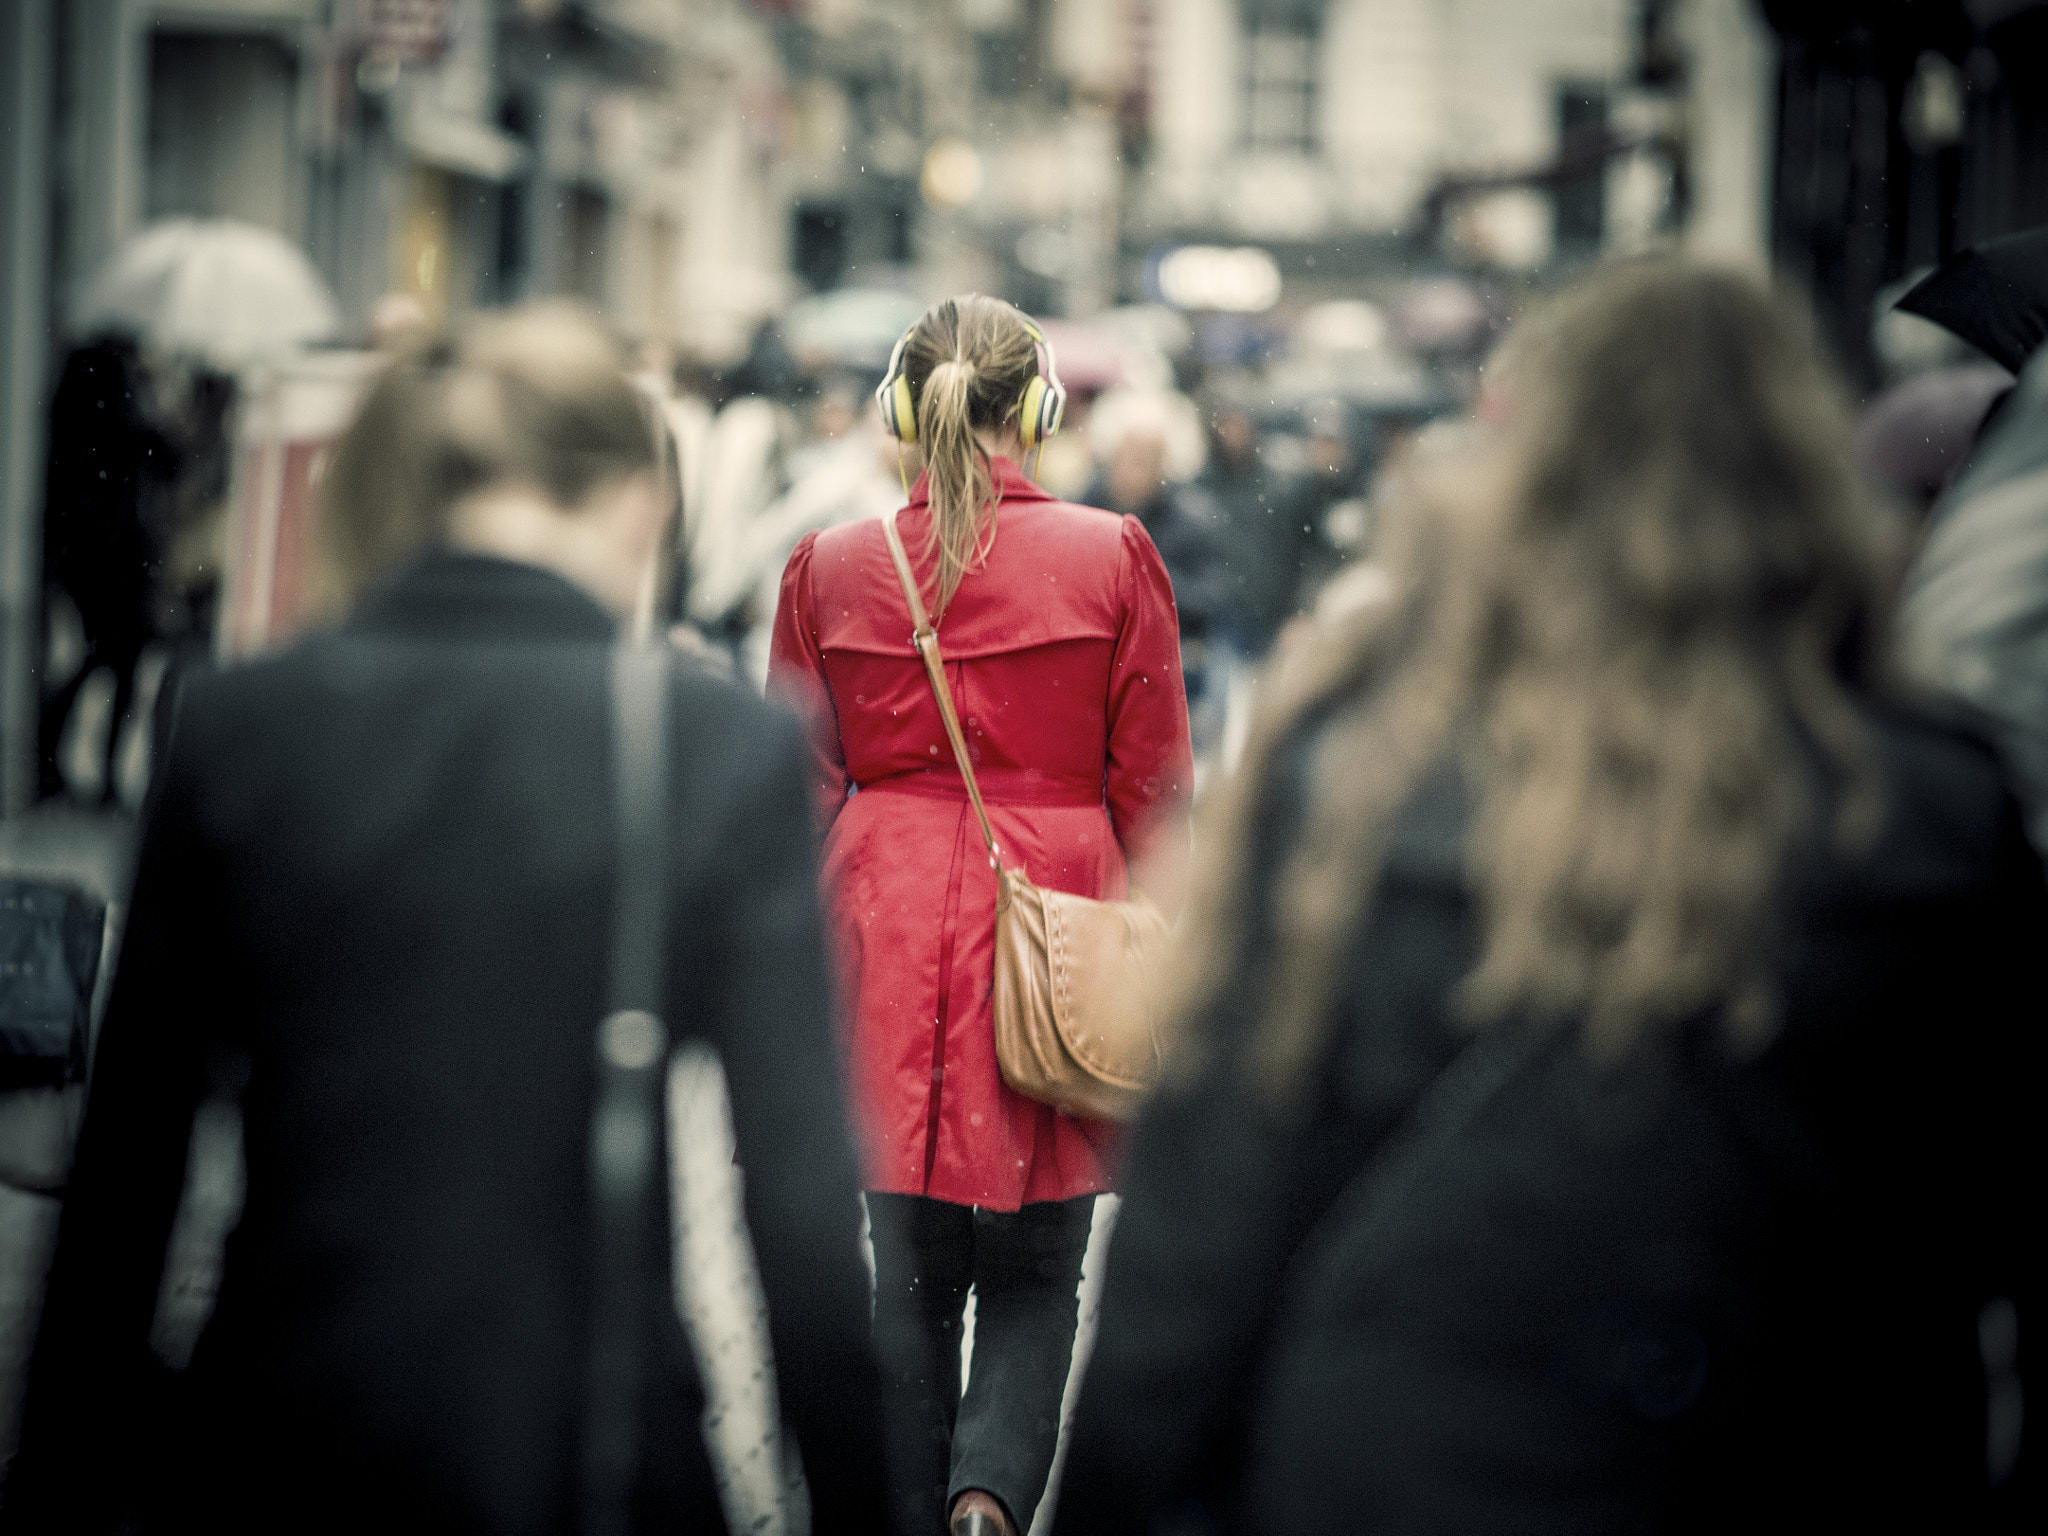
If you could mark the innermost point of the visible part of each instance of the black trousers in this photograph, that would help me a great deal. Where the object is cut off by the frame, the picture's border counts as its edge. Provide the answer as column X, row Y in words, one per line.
column 1025, row 1270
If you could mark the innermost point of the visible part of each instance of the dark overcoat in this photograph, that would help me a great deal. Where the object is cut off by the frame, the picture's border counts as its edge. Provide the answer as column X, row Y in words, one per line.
column 378, row 872
column 1700, row 1289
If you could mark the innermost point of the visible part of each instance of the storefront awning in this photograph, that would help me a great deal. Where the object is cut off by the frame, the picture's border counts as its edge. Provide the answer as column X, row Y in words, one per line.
column 461, row 144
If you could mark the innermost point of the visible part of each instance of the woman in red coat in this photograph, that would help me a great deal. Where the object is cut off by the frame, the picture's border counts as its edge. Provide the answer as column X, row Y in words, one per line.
column 1061, row 645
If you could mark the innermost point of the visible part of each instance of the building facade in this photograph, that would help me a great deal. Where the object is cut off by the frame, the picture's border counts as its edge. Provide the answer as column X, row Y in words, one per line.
column 1905, row 133
column 460, row 152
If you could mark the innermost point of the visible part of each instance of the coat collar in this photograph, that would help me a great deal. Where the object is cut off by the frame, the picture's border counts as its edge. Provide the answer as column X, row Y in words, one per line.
column 449, row 594
column 1012, row 484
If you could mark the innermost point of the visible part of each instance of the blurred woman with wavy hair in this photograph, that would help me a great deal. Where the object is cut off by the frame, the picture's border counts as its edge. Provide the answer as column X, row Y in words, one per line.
column 1596, row 1107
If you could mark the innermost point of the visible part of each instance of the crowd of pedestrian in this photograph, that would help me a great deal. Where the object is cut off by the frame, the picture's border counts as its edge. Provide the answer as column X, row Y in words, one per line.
column 1586, row 1083
column 1254, row 488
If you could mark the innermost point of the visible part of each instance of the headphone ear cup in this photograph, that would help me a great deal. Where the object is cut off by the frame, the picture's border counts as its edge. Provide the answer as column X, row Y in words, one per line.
column 904, row 423
column 1030, row 422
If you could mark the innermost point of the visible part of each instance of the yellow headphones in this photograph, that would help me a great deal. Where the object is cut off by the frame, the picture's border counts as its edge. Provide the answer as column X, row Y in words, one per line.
column 1039, row 412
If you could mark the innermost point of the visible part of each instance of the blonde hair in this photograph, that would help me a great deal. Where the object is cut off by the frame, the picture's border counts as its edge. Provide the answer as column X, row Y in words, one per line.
column 535, row 395
column 968, row 362
column 1636, row 615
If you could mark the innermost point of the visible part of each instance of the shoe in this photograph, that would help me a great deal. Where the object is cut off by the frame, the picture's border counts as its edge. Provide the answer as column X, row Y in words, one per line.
column 978, row 1514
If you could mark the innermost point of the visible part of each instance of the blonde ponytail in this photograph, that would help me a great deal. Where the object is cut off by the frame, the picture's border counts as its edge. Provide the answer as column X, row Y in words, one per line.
column 968, row 361
column 958, row 476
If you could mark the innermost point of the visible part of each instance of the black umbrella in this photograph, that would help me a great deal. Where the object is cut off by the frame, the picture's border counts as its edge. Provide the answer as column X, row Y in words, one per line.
column 1994, row 296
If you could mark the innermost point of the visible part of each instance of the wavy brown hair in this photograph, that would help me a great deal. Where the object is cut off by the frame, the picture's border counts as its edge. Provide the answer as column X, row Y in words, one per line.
column 1637, row 613
column 968, row 361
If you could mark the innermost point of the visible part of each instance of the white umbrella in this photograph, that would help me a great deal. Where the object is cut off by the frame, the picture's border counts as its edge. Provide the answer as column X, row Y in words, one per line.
column 217, row 288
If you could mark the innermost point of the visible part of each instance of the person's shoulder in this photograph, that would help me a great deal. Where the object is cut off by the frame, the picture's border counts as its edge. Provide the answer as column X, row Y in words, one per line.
column 720, row 712
column 700, row 688
column 1056, row 522
column 1070, row 520
column 1079, row 514
column 842, row 541
column 1935, row 745
column 829, row 552
column 1950, row 825
column 1074, row 534
column 217, row 701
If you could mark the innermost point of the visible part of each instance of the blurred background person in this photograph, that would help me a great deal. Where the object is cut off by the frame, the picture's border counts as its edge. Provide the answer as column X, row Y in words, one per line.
column 854, row 472
column 1974, row 613
column 111, row 478
column 374, row 906
column 739, row 467
column 1603, row 1103
column 1056, row 624
column 1976, row 596
column 1148, row 446
column 1149, row 452
column 1253, row 501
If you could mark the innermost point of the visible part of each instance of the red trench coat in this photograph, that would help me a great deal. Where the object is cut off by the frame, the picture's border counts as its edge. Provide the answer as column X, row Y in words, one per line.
column 1064, row 656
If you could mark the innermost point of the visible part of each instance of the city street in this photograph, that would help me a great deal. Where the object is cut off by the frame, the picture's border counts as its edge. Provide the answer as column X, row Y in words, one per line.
column 1301, row 746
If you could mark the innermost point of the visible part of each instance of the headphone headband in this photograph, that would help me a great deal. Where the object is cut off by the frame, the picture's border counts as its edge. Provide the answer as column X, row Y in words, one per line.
column 1039, row 410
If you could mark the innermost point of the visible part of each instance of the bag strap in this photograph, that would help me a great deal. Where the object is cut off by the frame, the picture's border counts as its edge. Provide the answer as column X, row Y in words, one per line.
column 926, row 639
column 625, row 1121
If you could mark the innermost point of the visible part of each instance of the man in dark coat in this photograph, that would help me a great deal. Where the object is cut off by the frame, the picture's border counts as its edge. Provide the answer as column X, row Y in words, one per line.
column 376, row 884
column 1255, row 505
column 1278, row 551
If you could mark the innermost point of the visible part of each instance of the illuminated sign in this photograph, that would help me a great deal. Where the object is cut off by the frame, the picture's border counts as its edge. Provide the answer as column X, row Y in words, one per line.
column 1238, row 279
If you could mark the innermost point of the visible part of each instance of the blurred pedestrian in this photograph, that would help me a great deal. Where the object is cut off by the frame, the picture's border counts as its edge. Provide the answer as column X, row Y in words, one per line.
column 1974, row 618
column 739, row 469
column 1149, row 451
column 108, row 511
column 375, row 896
column 844, row 478
column 1291, row 547
column 1603, row 1106
column 1334, row 484
column 1255, row 504
column 1058, row 630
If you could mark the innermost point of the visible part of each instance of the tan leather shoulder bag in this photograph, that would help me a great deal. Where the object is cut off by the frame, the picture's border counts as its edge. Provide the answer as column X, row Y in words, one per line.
column 1075, row 984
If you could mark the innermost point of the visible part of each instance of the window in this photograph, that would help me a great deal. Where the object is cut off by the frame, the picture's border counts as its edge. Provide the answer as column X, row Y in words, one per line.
column 585, row 215
column 221, row 112
column 819, row 236
column 1280, row 87
column 1580, row 195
